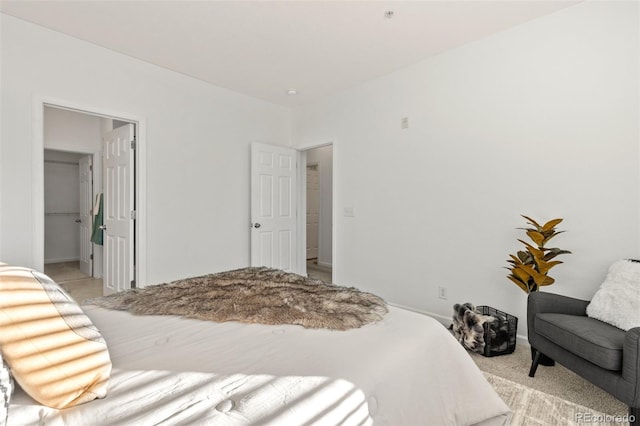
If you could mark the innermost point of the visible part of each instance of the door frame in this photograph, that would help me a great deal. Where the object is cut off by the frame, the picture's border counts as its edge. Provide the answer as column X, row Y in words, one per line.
column 302, row 205
column 37, row 174
column 92, row 157
column 317, row 165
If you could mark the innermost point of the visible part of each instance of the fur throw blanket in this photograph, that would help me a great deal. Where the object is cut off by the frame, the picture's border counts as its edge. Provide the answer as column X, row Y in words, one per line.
column 253, row 295
column 475, row 331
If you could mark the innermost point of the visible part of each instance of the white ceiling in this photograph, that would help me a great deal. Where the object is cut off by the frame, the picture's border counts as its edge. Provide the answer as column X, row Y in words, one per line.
column 264, row 48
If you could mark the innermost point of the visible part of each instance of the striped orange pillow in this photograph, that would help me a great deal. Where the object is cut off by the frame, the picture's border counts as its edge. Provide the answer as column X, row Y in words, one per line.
column 56, row 354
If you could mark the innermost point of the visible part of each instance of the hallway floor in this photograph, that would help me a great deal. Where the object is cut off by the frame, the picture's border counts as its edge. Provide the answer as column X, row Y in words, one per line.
column 78, row 285
column 318, row 272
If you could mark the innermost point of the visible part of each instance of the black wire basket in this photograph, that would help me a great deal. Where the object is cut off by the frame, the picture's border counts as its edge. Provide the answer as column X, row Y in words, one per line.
column 500, row 334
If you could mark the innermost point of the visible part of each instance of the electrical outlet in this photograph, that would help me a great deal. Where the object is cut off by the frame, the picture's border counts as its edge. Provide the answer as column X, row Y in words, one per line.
column 404, row 123
column 442, row 292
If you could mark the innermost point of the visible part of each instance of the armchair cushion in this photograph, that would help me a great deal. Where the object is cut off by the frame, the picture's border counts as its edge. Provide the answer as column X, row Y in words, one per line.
column 593, row 340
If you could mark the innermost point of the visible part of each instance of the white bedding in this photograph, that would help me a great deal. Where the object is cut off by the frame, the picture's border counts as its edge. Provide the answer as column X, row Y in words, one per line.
column 154, row 397
column 404, row 370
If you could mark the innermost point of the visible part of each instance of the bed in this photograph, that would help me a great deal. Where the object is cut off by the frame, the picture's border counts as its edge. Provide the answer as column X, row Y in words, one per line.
column 403, row 370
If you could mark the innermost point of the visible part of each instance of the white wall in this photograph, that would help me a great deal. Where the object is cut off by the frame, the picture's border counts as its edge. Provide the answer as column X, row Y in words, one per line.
column 61, row 206
column 540, row 120
column 324, row 158
column 197, row 149
column 71, row 131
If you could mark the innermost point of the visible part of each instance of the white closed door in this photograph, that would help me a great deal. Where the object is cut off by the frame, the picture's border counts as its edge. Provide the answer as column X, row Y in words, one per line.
column 273, row 206
column 118, row 205
column 86, row 209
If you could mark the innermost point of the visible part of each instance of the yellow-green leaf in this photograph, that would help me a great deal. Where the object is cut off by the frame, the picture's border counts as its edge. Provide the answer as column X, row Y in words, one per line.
column 543, row 266
column 524, row 287
column 551, row 224
column 537, row 277
column 529, row 269
column 536, row 237
column 547, row 281
column 535, row 252
column 533, row 222
column 522, row 274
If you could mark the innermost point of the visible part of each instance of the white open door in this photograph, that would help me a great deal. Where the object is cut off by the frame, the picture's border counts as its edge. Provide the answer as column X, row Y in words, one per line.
column 118, row 205
column 273, row 207
column 86, row 208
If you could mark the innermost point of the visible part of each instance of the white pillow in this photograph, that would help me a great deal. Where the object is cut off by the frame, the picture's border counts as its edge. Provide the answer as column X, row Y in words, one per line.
column 617, row 301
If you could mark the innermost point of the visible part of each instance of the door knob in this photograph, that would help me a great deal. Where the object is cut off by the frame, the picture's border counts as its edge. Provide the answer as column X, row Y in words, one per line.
column 256, row 225
column 78, row 221
column 103, row 227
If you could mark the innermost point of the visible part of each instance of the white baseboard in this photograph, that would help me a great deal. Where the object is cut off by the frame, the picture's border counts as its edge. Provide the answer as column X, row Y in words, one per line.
column 522, row 340
column 325, row 264
column 446, row 321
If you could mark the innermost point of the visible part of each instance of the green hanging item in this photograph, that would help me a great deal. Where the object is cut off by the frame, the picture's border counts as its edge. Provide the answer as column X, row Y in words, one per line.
column 96, row 234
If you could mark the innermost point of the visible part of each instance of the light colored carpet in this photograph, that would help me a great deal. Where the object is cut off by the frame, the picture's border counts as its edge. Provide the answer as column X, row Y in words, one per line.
column 556, row 380
column 318, row 272
column 73, row 281
column 532, row 407
column 64, row 271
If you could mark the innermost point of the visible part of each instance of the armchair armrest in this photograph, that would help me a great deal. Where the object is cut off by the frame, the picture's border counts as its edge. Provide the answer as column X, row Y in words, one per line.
column 631, row 363
column 539, row 302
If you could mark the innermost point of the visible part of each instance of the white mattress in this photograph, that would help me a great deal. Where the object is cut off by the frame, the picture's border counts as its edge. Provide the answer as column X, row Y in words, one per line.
column 404, row 370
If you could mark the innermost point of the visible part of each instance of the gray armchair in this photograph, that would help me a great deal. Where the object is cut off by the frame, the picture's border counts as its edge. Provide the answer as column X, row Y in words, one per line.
column 607, row 356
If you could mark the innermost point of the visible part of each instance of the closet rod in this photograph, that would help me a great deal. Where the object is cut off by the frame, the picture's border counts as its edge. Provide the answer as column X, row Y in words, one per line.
column 63, row 214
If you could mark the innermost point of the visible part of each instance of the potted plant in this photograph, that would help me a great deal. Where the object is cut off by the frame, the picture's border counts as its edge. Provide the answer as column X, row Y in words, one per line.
column 530, row 267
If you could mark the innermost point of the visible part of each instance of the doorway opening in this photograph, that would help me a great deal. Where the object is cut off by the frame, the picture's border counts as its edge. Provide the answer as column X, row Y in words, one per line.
column 73, row 198
column 318, row 186
column 68, row 252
